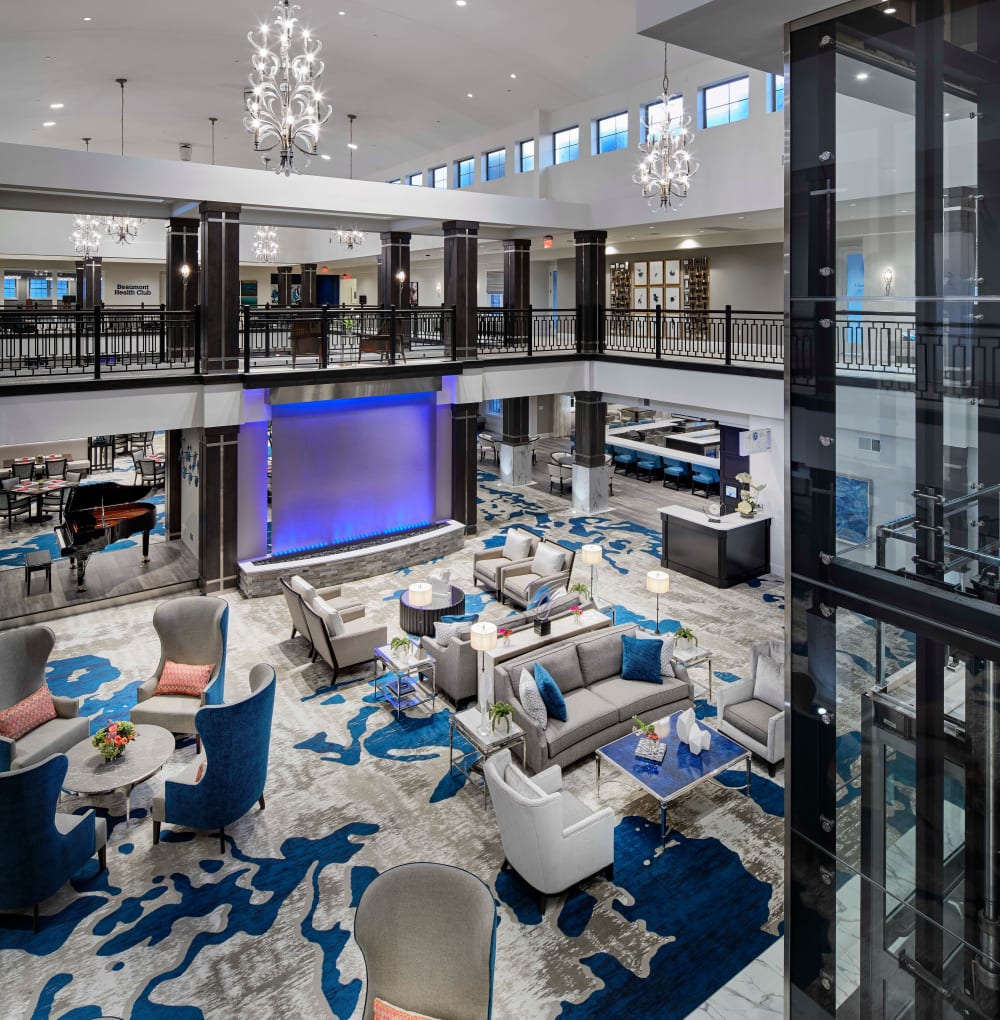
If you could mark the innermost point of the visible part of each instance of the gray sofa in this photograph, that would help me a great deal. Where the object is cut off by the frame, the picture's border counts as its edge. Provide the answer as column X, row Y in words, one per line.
column 599, row 703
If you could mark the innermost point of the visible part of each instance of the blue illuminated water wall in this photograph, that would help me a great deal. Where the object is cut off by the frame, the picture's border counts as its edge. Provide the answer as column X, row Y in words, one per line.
column 349, row 469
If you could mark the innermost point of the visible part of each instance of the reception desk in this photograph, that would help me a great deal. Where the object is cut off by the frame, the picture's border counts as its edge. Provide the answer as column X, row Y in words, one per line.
column 721, row 553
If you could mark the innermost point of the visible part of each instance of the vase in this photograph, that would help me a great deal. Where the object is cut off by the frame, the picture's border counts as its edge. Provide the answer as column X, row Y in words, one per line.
column 506, row 723
column 506, row 641
column 684, row 644
column 543, row 627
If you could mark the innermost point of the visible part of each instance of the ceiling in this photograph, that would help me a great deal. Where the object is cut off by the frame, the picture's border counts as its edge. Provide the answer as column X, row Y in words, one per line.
column 404, row 68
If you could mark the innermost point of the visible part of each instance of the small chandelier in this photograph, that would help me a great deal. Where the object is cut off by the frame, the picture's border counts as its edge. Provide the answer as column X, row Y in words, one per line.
column 86, row 236
column 666, row 168
column 265, row 244
column 349, row 238
column 284, row 107
column 124, row 229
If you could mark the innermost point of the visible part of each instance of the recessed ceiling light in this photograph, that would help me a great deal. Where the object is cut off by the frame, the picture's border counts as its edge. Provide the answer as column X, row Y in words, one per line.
column 341, row 13
column 468, row 95
column 743, row 217
column 48, row 123
column 323, row 155
column 513, row 75
column 352, row 145
column 861, row 76
column 88, row 19
column 459, row 3
column 56, row 106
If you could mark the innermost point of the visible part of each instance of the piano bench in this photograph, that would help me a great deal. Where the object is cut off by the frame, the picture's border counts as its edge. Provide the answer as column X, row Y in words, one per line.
column 39, row 559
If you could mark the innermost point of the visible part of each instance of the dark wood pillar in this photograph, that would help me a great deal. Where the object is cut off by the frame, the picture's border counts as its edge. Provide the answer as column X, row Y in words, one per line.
column 461, row 269
column 464, row 467
column 219, row 286
column 515, row 451
column 284, row 286
column 730, row 462
column 182, row 250
column 395, row 260
column 590, row 476
column 590, row 290
column 219, row 500
column 172, row 502
column 516, row 274
column 308, row 292
column 88, row 281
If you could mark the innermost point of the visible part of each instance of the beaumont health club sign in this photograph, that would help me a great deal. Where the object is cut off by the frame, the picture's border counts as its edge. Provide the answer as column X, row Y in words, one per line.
column 133, row 290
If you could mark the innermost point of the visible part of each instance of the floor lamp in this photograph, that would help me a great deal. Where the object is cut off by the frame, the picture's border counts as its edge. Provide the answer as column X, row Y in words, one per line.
column 591, row 555
column 483, row 637
column 658, row 582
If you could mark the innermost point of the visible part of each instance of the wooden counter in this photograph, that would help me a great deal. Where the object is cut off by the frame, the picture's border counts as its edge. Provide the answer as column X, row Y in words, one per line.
column 720, row 553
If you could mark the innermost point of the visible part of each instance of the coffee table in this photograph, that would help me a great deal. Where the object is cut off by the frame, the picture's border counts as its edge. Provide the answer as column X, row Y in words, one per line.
column 89, row 774
column 680, row 771
column 420, row 620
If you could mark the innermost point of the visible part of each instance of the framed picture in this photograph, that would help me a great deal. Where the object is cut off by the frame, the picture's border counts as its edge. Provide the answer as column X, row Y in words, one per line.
column 655, row 298
column 854, row 509
column 415, row 293
column 672, row 297
column 296, row 293
column 639, row 298
column 673, row 271
column 639, row 274
column 655, row 273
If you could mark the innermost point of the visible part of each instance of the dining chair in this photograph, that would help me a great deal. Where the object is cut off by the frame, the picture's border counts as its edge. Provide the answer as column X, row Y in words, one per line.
column 26, row 472
column 705, row 478
column 151, row 472
column 674, row 471
column 13, row 504
column 56, row 468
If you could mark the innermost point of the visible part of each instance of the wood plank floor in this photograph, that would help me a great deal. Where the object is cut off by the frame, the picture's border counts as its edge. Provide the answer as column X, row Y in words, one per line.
column 112, row 578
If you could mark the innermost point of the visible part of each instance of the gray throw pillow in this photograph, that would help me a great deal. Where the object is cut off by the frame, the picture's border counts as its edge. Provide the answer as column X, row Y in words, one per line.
column 769, row 683
column 549, row 560
column 301, row 586
column 517, row 545
column 330, row 616
column 666, row 653
column 527, row 693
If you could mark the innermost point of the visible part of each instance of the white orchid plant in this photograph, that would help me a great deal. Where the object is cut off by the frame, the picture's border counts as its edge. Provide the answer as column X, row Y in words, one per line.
column 750, row 501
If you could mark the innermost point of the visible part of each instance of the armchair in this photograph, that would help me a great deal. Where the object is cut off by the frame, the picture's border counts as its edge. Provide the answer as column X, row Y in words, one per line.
column 488, row 565
column 561, row 475
column 43, row 848
column 298, row 590
column 193, row 630
column 551, row 839
column 454, row 915
column 753, row 713
column 354, row 645
column 13, row 505
column 454, row 667
column 521, row 581
column 23, row 655
column 237, row 738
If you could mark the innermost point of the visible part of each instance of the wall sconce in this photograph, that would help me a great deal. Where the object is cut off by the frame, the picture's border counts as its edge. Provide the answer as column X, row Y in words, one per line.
column 887, row 277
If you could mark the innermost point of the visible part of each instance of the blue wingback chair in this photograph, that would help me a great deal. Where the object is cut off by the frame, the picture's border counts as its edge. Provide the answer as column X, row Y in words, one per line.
column 42, row 849
column 237, row 738
column 706, row 479
column 192, row 630
column 674, row 471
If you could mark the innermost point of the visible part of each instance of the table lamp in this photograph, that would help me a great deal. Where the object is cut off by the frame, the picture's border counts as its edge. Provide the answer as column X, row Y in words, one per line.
column 420, row 594
column 591, row 554
column 483, row 637
column 658, row 581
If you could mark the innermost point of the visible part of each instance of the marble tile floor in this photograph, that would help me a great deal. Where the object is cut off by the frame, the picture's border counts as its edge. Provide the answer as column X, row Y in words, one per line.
column 756, row 993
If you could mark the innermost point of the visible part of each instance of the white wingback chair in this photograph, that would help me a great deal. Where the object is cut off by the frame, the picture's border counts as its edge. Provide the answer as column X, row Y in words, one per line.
column 551, row 839
column 753, row 713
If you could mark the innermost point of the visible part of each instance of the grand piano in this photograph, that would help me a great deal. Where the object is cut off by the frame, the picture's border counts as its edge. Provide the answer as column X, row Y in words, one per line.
column 97, row 515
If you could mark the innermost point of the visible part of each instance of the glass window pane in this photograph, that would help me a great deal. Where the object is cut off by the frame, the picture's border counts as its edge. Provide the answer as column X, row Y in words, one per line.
column 416, row 180
column 439, row 177
column 739, row 89
column 527, row 155
column 567, row 145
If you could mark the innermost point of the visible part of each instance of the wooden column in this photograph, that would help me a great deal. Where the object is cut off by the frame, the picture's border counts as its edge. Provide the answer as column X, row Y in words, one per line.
column 308, row 285
column 464, row 466
column 218, row 498
column 172, row 523
column 395, row 258
column 461, row 267
column 219, row 286
column 590, row 476
column 590, row 290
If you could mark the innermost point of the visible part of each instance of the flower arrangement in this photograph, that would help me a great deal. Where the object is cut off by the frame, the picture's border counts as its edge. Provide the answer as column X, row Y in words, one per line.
column 577, row 612
column 647, row 730
column 504, row 634
column 750, row 492
column 113, row 738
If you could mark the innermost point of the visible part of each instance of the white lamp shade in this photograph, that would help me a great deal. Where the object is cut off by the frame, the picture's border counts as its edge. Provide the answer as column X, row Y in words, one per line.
column 658, row 582
column 483, row 636
column 420, row 593
column 591, row 554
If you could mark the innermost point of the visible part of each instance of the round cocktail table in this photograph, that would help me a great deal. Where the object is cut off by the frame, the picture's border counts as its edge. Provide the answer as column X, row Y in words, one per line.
column 420, row 620
column 88, row 773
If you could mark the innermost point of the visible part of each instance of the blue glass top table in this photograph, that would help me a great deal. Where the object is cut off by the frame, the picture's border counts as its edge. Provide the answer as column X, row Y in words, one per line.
column 680, row 771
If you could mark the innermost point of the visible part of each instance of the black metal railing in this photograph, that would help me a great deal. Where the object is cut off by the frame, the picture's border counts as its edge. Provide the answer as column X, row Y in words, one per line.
column 529, row 331
column 67, row 341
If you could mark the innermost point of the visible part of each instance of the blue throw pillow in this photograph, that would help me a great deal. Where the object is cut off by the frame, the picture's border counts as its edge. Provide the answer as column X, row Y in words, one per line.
column 641, row 660
column 465, row 618
column 555, row 704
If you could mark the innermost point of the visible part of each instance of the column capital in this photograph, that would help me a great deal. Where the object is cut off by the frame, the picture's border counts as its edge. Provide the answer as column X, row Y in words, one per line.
column 517, row 244
column 460, row 228
column 307, row 265
column 395, row 237
column 285, row 269
column 227, row 208
column 177, row 225
column 590, row 236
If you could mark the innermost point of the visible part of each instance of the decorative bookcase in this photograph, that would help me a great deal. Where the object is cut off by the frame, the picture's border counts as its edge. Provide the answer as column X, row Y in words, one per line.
column 675, row 285
column 695, row 296
column 621, row 293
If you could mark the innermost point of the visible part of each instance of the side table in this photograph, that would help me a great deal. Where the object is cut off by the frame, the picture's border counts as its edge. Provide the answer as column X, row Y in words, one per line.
column 697, row 657
column 405, row 688
column 466, row 722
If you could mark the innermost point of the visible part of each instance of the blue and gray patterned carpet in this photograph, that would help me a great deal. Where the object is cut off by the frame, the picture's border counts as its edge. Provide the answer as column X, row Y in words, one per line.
column 183, row 932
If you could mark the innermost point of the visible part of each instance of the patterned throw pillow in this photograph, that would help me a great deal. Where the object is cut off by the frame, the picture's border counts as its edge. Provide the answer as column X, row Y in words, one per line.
column 386, row 1011
column 453, row 626
column 555, row 703
column 28, row 714
column 666, row 652
column 179, row 678
column 527, row 693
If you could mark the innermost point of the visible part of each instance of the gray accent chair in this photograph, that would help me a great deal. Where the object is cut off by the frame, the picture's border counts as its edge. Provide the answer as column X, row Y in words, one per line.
column 348, row 608
column 550, row 838
column 192, row 630
column 356, row 645
column 427, row 933
column 756, row 724
column 490, row 565
column 521, row 583
column 23, row 655
column 454, row 667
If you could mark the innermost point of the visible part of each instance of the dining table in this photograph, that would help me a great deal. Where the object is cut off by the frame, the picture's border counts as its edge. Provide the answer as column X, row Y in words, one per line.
column 38, row 490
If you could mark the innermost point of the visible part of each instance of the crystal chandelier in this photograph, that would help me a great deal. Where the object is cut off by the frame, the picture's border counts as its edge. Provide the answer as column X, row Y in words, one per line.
column 284, row 107
column 265, row 244
column 349, row 238
column 666, row 168
column 86, row 236
column 124, row 229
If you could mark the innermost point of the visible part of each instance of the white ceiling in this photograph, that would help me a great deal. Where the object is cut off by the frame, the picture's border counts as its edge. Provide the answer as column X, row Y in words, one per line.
column 403, row 66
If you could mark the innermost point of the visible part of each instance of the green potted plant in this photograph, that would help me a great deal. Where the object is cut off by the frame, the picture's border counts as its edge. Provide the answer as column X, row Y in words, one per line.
column 580, row 589
column 401, row 646
column 499, row 712
column 684, row 639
